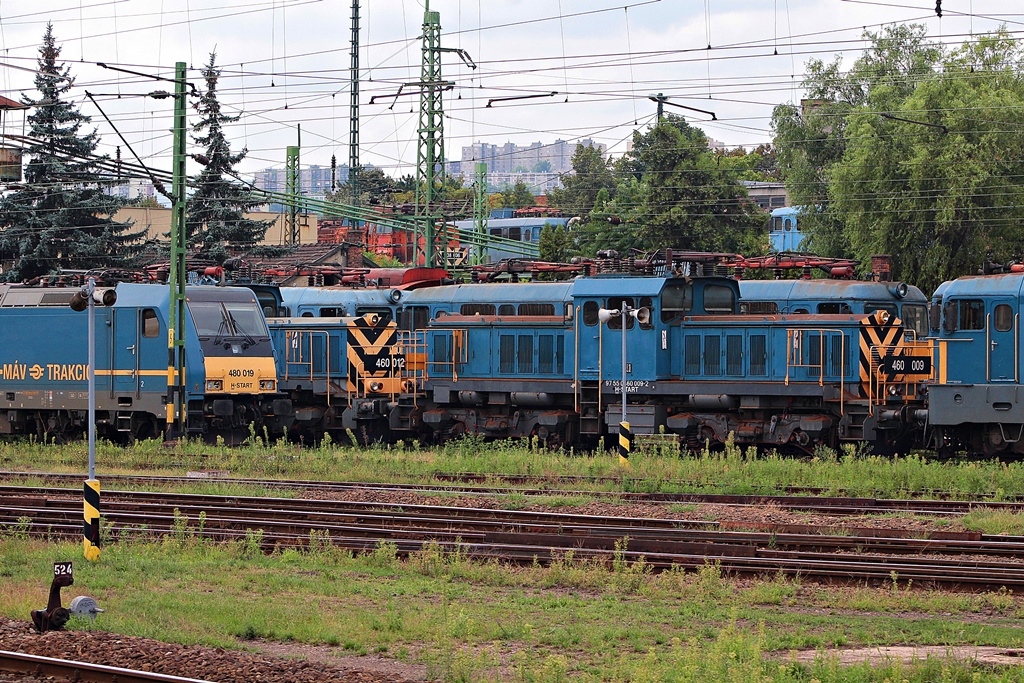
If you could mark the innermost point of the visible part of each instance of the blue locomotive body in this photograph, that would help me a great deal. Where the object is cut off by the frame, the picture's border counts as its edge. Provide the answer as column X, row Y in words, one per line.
column 977, row 401
column 230, row 377
column 831, row 297
column 536, row 360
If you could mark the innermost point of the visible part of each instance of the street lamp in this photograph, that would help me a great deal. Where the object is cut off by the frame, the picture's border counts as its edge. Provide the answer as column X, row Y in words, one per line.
column 642, row 315
column 88, row 297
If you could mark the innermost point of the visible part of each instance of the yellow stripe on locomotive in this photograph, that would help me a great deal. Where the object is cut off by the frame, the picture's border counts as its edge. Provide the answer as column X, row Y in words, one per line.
column 243, row 375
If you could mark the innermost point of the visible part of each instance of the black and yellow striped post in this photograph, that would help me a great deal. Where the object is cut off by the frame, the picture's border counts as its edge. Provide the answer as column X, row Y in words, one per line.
column 91, row 528
column 625, row 443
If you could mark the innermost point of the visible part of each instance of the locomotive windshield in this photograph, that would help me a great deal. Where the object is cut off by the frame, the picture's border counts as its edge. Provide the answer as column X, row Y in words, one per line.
column 915, row 317
column 228, row 319
column 676, row 301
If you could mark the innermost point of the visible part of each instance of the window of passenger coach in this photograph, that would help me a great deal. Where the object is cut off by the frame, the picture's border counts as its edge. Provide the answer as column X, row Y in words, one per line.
column 1002, row 318
column 150, row 324
column 676, row 301
column 719, row 299
column 507, row 309
column 590, row 309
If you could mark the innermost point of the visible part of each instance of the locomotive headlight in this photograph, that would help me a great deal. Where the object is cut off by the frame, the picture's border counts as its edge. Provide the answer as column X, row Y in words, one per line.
column 376, row 386
column 267, row 384
column 894, row 390
column 214, row 385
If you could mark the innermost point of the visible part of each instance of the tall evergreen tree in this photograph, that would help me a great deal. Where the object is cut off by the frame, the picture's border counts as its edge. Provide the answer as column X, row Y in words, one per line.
column 215, row 217
column 62, row 217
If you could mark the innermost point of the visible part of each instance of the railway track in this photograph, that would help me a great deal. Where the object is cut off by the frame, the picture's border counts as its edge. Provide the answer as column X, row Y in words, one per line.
column 841, row 505
column 960, row 559
column 63, row 669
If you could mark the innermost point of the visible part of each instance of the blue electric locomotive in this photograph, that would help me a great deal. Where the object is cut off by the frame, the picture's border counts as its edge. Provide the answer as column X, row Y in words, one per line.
column 230, row 376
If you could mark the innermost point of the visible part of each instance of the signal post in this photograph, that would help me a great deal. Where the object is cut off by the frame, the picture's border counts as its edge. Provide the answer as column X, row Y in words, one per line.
column 88, row 298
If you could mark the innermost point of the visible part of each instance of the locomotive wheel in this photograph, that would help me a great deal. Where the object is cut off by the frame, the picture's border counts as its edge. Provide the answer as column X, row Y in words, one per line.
column 144, row 427
column 370, row 432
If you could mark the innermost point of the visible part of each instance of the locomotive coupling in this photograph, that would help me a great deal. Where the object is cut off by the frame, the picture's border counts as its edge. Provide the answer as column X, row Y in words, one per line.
column 904, row 415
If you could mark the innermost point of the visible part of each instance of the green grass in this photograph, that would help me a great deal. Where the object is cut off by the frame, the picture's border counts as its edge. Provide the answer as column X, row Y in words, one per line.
column 732, row 471
column 471, row 621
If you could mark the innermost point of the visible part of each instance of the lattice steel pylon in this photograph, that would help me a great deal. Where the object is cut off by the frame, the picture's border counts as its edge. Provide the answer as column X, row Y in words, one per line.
column 292, row 179
column 353, row 110
column 430, row 133
column 480, row 209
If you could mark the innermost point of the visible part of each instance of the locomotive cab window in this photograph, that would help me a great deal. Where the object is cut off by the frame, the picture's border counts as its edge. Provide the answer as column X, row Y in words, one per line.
column 477, row 309
column 383, row 314
column 915, row 317
column 648, row 303
column 834, row 307
column 536, row 309
column 719, row 299
column 506, row 309
column 1002, row 318
column 590, row 309
column 415, row 318
column 972, row 314
column 615, row 303
column 150, row 324
column 676, row 301
column 332, row 312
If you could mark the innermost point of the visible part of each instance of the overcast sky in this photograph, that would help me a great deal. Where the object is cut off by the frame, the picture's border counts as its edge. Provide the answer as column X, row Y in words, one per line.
column 286, row 63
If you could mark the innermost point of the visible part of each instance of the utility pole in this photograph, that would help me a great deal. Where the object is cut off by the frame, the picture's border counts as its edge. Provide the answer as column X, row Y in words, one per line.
column 480, row 208
column 353, row 110
column 292, row 179
column 176, row 334
column 660, row 99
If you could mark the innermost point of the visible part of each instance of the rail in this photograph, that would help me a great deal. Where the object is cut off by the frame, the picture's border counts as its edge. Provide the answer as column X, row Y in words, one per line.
column 19, row 662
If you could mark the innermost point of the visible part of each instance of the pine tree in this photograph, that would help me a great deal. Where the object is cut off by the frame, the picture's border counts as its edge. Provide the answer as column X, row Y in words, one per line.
column 215, row 217
column 62, row 217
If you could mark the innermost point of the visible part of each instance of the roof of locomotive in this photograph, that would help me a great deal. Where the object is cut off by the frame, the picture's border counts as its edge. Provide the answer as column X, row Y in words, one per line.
column 128, row 295
column 490, row 292
column 1006, row 284
column 610, row 285
column 334, row 296
column 822, row 289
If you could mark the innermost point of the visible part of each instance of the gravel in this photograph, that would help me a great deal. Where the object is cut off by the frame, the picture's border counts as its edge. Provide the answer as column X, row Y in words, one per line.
column 193, row 661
